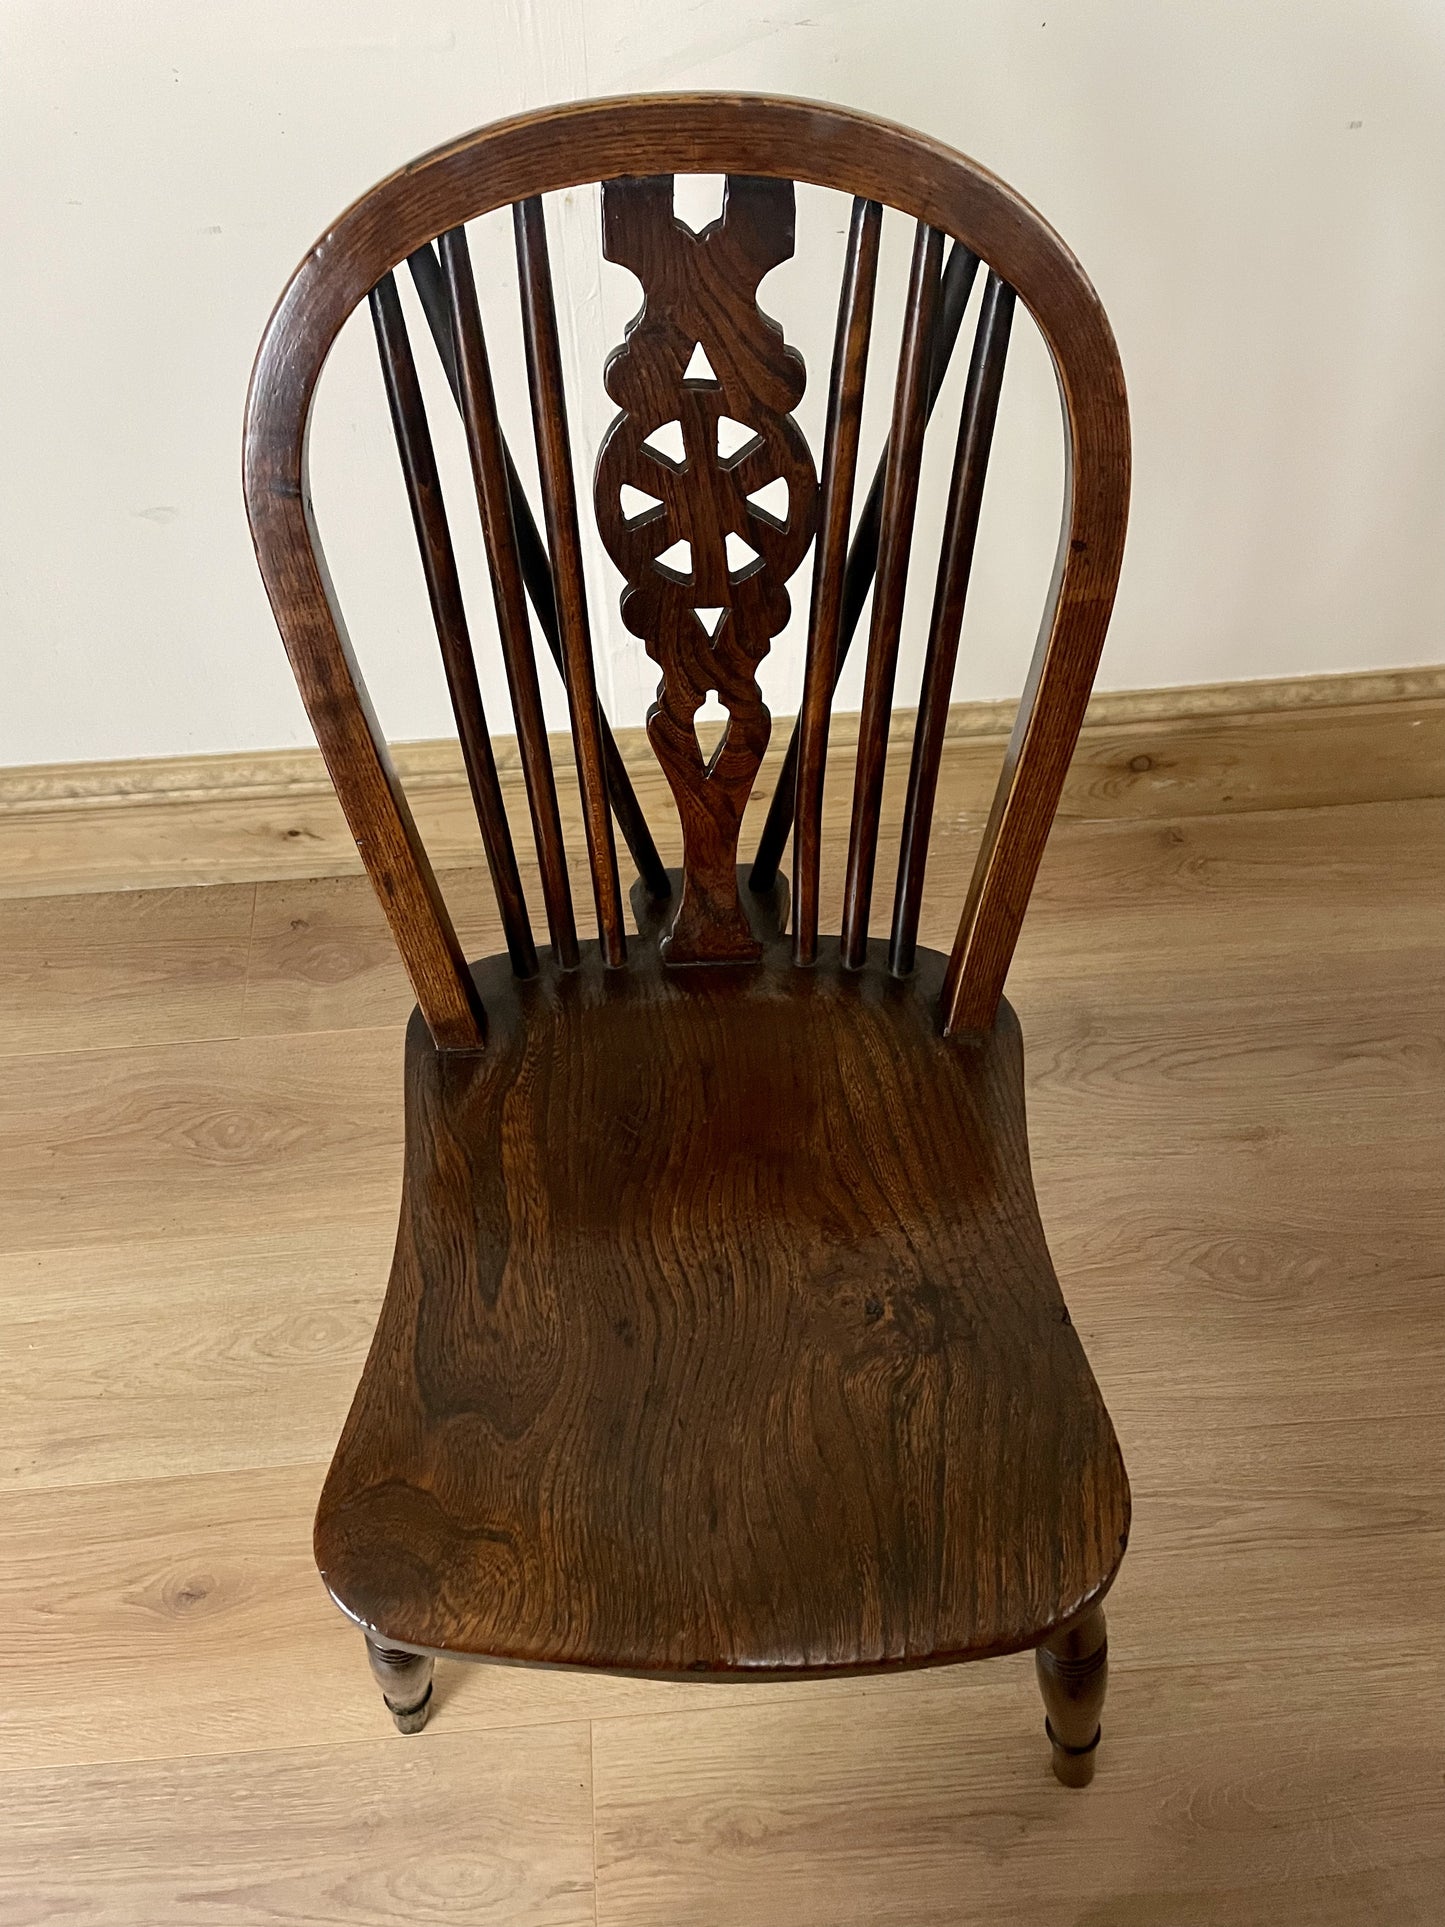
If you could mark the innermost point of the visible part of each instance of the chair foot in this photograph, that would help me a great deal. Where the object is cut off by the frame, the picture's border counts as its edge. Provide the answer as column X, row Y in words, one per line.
column 405, row 1682
column 1073, row 1669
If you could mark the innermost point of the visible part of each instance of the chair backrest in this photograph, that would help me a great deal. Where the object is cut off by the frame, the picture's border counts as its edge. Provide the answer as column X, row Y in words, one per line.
column 705, row 562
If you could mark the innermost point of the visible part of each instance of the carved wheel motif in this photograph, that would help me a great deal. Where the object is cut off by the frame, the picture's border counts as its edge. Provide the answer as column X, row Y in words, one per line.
column 706, row 385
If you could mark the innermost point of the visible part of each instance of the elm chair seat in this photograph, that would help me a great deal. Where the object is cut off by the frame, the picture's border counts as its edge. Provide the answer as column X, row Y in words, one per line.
column 722, row 1335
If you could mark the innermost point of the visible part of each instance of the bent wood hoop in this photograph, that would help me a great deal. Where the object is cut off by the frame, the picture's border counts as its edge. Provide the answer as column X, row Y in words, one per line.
column 516, row 162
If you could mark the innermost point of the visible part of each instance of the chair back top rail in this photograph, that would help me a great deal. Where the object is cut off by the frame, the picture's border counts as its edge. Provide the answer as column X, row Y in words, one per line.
column 706, row 560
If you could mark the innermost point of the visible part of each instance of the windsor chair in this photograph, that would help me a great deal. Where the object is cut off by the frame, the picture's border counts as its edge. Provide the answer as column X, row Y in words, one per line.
column 721, row 1335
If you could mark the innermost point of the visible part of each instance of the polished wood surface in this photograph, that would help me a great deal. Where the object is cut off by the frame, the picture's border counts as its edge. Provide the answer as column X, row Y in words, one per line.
column 444, row 591
column 722, row 1336
column 830, row 567
column 564, row 544
column 965, row 503
column 434, row 291
column 862, row 563
column 767, row 141
column 405, row 1680
column 895, row 549
column 1073, row 1669
column 1236, row 1104
column 708, row 617
column 492, row 478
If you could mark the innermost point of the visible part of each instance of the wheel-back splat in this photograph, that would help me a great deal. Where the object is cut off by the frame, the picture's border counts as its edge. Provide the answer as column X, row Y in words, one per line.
column 706, row 563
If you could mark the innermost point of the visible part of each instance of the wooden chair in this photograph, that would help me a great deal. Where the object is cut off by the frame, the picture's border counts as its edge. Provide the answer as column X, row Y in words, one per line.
column 721, row 1335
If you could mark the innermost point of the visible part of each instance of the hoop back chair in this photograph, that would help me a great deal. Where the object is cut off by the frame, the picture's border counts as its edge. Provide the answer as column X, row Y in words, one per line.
column 721, row 1335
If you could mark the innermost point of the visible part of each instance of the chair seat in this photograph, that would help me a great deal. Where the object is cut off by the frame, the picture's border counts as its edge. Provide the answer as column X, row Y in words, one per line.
column 721, row 1336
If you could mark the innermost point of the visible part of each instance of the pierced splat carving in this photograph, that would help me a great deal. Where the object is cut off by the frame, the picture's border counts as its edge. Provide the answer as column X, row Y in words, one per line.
column 677, row 493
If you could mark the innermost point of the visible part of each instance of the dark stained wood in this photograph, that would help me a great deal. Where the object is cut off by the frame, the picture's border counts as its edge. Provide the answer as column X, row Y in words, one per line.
column 537, row 577
column 477, row 401
column 900, row 500
column 840, row 463
column 644, row 135
column 700, row 291
column 444, row 591
column 693, row 1360
column 559, row 502
column 426, row 278
column 405, row 1680
column 958, row 276
column 1073, row 1670
column 965, row 500
column 721, row 1334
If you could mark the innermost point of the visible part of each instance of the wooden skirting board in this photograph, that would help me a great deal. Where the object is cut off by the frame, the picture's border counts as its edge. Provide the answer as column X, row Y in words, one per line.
column 1294, row 744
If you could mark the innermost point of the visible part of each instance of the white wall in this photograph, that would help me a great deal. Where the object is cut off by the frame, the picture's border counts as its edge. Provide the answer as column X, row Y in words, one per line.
column 1257, row 188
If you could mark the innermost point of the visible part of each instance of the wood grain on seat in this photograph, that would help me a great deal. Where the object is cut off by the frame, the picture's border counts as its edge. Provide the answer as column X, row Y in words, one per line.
column 721, row 1335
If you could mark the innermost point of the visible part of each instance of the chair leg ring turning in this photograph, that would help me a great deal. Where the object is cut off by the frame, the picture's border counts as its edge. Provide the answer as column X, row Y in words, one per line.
column 405, row 1680
column 1073, row 1765
column 1073, row 1670
column 410, row 1719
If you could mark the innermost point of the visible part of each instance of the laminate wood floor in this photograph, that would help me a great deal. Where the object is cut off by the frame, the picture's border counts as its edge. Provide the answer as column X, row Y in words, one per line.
column 1235, row 1028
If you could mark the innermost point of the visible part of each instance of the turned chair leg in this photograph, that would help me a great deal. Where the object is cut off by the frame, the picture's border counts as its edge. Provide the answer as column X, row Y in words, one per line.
column 405, row 1682
column 1073, row 1668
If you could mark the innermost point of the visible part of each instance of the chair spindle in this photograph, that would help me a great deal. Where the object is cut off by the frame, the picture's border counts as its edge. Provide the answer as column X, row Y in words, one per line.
column 957, row 284
column 965, row 500
column 428, row 511
column 477, row 401
column 537, row 577
column 559, row 501
column 900, row 501
column 840, row 465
